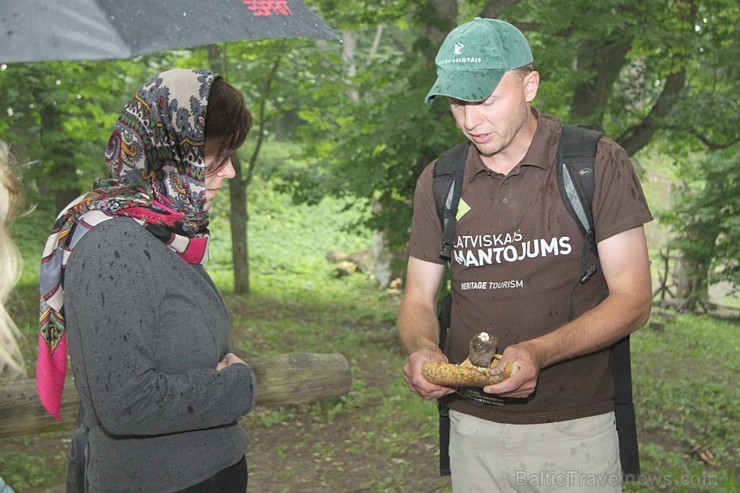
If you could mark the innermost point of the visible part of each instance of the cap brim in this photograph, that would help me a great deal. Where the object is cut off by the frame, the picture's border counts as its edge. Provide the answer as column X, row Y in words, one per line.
column 466, row 86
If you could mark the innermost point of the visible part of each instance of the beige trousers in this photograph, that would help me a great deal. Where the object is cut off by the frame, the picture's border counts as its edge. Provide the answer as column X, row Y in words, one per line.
column 579, row 455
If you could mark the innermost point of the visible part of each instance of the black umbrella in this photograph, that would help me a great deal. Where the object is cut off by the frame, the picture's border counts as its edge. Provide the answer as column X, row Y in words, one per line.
column 38, row 30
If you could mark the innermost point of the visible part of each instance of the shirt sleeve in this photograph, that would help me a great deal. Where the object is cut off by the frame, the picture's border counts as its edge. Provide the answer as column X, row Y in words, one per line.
column 619, row 203
column 113, row 299
column 425, row 240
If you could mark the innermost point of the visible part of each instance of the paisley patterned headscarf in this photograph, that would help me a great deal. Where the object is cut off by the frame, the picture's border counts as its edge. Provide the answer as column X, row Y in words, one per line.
column 156, row 160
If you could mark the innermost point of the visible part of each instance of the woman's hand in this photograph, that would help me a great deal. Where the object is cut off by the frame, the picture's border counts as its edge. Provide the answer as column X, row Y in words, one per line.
column 229, row 360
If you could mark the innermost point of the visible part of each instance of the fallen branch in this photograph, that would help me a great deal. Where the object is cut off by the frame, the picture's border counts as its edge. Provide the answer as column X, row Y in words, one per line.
column 292, row 378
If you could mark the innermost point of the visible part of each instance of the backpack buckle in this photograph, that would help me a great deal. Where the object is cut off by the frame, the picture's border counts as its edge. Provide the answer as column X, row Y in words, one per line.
column 588, row 274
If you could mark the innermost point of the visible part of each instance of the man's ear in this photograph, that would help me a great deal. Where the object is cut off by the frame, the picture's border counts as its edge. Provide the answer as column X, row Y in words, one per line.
column 531, row 83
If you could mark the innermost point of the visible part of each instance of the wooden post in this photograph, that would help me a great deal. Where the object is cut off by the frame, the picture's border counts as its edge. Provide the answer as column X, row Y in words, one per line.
column 292, row 378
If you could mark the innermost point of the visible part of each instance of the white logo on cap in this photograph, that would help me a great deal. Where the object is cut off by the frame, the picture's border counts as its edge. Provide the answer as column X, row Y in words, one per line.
column 458, row 48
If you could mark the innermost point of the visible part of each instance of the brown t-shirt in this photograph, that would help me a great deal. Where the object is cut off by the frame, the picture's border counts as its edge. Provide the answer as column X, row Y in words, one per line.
column 516, row 258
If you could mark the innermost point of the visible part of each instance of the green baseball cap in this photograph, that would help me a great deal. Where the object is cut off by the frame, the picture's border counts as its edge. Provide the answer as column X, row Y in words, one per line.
column 475, row 56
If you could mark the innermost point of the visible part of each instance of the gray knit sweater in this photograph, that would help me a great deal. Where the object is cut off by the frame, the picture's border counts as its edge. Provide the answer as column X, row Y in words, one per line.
column 146, row 331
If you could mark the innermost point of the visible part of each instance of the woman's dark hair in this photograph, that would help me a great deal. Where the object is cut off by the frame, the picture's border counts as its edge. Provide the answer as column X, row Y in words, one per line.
column 227, row 117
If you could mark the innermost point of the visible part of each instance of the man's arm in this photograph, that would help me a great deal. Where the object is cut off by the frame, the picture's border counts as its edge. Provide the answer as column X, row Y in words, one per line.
column 418, row 326
column 626, row 268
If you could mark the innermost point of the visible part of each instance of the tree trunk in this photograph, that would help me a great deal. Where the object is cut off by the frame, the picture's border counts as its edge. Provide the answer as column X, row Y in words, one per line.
column 239, row 228
column 349, row 44
column 381, row 260
column 692, row 286
column 292, row 378
column 57, row 159
column 604, row 61
column 440, row 20
column 493, row 8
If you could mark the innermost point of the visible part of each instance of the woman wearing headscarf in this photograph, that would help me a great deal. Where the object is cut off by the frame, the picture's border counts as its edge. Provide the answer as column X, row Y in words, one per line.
column 123, row 289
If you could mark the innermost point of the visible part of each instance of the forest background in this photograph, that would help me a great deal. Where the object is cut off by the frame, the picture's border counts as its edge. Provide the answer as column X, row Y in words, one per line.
column 346, row 122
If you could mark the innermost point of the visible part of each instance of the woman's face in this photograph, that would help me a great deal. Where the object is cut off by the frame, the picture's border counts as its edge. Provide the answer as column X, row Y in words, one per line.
column 214, row 176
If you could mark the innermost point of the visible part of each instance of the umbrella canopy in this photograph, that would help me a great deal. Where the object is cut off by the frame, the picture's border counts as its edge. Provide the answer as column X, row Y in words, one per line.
column 39, row 30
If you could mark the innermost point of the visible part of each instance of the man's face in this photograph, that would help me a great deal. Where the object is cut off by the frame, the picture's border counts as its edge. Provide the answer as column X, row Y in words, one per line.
column 492, row 124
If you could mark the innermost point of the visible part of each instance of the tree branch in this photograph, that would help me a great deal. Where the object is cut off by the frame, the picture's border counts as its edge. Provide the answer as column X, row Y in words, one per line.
column 638, row 136
column 246, row 180
column 376, row 44
column 701, row 137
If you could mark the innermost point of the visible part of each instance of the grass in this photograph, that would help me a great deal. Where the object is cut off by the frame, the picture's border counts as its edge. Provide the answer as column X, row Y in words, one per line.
column 686, row 395
column 684, row 375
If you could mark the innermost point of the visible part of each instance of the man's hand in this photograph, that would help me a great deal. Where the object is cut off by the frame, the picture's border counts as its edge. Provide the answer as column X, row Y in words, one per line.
column 524, row 381
column 416, row 381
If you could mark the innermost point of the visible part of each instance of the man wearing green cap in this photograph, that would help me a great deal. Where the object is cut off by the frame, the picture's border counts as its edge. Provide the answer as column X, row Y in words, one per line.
column 549, row 427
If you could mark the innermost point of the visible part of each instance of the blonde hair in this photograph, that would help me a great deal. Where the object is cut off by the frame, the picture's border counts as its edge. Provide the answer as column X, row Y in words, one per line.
column 11, row 204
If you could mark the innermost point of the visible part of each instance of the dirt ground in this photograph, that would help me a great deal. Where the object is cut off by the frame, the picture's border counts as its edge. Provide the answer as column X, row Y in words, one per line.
column 280, row 462
column 304, row 456
column 288, row 458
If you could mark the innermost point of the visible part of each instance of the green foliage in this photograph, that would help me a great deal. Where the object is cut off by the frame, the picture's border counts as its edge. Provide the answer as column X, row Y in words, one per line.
column 356, row 14
column 704, row 216
column 374, row 142
column 55, row 116
column 705, row 117
column 58, row 116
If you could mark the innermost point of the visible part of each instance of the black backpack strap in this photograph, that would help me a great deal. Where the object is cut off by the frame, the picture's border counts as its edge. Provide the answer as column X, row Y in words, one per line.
column 576, row 155
column 576, row 181
column 444, row 316
column 445, row 319
column 447, row 187
column 449, row 171
column 444, row 439
column 624, row 410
